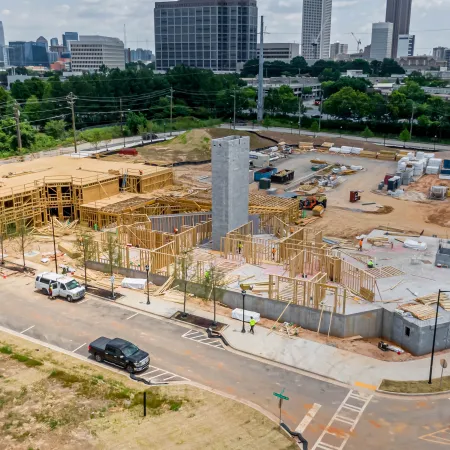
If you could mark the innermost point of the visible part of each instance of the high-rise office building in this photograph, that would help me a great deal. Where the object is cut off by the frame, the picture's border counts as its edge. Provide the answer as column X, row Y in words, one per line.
column 210, row 34
column 69, row 36
column 439, row 53
column 381, row 45
column 2, row 46
column 141, row 55
column 27, row 54
column 91, row 52
column 316, row 29
column 54, row 42
column 406, row 44
column 42, row 41
column 274, row 51
column 338, row 49
column 398, row 12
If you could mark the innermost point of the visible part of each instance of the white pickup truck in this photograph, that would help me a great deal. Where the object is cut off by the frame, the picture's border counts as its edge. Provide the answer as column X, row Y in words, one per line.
column 62, row 286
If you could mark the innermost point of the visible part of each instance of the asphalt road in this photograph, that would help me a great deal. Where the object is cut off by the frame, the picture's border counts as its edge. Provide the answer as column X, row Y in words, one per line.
column 384, row 423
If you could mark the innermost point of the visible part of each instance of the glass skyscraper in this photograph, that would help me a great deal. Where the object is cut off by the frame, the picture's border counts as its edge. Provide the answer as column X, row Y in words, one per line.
column 208, row 34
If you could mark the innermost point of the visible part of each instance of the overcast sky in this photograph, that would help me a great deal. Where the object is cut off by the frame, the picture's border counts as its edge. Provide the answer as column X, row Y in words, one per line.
column 28, row 19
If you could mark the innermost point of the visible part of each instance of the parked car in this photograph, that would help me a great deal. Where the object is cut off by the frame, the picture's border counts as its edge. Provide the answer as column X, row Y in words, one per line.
column 149, row 136
column 62, row 286
column 120, row 353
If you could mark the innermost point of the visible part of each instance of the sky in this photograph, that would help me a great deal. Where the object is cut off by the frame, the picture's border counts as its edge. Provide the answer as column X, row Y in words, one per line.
column 29, row 19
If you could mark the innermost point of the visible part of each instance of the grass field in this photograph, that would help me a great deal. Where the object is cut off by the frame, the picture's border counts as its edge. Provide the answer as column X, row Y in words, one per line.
column 49, row 400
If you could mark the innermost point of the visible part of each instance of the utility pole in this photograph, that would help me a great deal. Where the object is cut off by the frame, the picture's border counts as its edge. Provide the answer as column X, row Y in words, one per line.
column 234, row 109
column 71, row 101
column 17, row 117
column 260, row 114
column 121, row 121
column 171, row 108
column 300, row 110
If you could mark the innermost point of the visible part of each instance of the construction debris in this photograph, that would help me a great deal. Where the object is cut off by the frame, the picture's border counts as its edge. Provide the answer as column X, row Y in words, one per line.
column 431, row 299
column 421, row 312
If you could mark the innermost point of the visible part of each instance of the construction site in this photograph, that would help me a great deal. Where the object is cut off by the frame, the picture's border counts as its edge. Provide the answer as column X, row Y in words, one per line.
column 313, row 232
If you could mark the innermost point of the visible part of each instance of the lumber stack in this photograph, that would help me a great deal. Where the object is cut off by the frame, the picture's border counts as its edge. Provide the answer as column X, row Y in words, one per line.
column 378, row 241
column 387, row 155
column 421, row 312
column 431, row 299
column 368, row 154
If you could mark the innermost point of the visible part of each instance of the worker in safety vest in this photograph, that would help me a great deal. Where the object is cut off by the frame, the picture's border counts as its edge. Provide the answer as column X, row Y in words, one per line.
column 239, row 247
column 207, row 276
column 361, row 245
column 175, row 230
column 252, row 325
column 370, row 264
column 273, row 253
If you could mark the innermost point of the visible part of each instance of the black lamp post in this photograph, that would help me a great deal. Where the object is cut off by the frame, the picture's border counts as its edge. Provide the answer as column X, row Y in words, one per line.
column 434, row 336
column 340, row 132
column 243, row 310
column 2, row 261
column 83, row 240
column 435, row 139
column 147, row 268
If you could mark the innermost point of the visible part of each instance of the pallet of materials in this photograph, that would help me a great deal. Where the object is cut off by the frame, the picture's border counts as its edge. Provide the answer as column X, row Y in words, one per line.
column 368, row 154
column 421, row 312
column 387, row 155
column 379, row 241
column 431, row 299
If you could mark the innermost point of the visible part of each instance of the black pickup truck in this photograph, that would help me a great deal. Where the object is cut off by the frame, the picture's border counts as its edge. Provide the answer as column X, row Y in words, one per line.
column 119, row 352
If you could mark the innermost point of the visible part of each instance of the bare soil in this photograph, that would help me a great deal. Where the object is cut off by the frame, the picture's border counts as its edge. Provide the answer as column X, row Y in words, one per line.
column 67, row 404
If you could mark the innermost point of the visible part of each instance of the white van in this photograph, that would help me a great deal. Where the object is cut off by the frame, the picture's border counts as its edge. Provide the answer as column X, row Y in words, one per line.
column 62, row 285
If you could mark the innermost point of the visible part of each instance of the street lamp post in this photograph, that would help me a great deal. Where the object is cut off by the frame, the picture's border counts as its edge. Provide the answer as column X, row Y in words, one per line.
column 435, row 139
column 83, row 240
column 434, row 335
column 147, row 268
column 340, row 132
column 243, row 292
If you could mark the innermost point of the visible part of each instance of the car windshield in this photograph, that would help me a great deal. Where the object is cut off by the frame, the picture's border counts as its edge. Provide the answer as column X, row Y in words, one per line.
column 73, row 284
column 130, row 350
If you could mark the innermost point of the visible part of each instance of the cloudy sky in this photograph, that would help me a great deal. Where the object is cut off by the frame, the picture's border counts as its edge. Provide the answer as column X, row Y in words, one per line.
column 28, row 19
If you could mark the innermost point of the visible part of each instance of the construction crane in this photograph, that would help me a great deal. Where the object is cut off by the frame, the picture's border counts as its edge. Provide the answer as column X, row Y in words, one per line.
column 315, row 42
column 358, row 41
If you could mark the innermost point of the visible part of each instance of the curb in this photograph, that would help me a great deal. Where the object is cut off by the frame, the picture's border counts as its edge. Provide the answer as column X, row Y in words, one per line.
column 417, row 394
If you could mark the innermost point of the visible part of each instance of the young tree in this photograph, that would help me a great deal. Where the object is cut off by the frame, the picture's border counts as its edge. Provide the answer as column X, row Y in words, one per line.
column 32, row 109
column 315, row 127
column 86, row 246
column 22, row 239
column 182, row 272
column 111, row 248
column 367, row 133
column 405, row 136
column 216, row 279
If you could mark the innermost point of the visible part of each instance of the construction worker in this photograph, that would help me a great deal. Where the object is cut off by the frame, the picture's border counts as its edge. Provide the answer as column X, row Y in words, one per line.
column 252, row 325
column 50, row 292
column 370, row 264
column 239, row 247
column 273, row 253
column 207, row 276
column 361, row 242
column 175, row 230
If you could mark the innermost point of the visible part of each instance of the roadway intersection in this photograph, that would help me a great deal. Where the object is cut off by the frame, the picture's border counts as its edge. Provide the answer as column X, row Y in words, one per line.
column 332, row 416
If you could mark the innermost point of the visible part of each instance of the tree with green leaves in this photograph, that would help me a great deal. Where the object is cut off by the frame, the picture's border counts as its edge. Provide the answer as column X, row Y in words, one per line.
column 183, row 272
column 112, row 250
column 315, row 127
column 367, row 133
column 22, row 239
column 87, row 248
column 56, row 129
column 134, row 121
column 347, row 103
column 32, row 109
column 405, row 136
column 216, row 278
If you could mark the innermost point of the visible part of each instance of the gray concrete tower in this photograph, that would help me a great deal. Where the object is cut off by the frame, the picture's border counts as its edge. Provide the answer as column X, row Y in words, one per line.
column 230, row 162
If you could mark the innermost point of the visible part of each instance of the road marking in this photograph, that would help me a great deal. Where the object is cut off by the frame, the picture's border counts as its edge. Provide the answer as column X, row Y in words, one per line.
column 365, row 386
column 78, row 348
column 134, row 315
column 344, row 417
column 29, row 328
column 83, row 301
column 198, row 336
column 438, row 437
column 148, row 375
column 307, row 419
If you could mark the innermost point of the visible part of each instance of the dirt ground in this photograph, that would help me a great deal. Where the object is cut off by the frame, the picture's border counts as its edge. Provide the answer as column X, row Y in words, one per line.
column 49, row 401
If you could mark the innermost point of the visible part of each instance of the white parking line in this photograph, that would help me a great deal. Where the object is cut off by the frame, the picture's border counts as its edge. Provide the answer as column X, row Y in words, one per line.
column 134, row 315
column 29, row 328
column 150, row 375
column 307, row 419
column 198, row 336
column 78, row 348
column 346, row 418
column 83, row 301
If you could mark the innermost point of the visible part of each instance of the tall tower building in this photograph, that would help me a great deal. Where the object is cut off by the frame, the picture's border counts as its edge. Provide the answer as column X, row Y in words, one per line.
column 381, row 45
column 2, row 46
column 316, row 29
column 398, row 12
column 2, row 35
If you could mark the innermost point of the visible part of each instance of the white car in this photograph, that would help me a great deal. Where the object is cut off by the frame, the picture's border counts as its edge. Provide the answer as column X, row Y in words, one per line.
column 63, row 286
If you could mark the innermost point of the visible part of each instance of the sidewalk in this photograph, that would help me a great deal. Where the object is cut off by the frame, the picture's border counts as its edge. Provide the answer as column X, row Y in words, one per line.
column 321, row 359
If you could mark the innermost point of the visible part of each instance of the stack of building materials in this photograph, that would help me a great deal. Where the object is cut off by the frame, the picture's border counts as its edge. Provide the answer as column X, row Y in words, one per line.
column 431, row 299
column 407, row 176
column 418, row 167
column 346, row 150
column 387, row 155
column 335, row 149
column 368, row 154
column 433, row 166
column 421, row 312
column 356, row 150
column 445, row 171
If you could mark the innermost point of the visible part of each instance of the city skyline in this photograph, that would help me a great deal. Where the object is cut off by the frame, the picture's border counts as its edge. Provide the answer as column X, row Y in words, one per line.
column 26, row 20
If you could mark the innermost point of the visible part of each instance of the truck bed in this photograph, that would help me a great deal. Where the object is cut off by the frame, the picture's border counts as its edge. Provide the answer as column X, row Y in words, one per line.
column 100, row 343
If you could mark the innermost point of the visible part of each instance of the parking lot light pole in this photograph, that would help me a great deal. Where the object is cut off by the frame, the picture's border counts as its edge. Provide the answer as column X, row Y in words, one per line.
column 54, row 246
column 147, row 268
column 243, row 310
column 434, row 336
